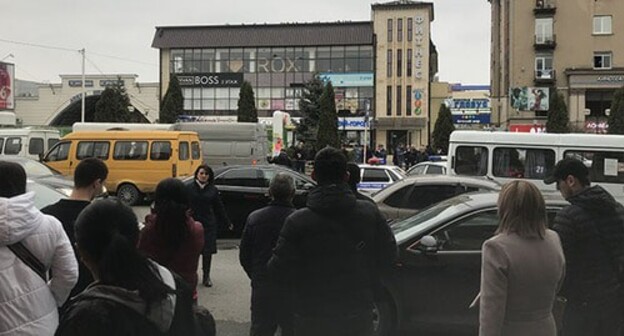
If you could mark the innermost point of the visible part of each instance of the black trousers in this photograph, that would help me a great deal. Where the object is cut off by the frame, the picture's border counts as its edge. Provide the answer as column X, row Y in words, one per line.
column 271, row 308
column 206, row 264
column 595, row 319
column 360, row 324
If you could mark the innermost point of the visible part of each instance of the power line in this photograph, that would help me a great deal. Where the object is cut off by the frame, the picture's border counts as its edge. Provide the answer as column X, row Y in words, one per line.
column 39, row 45
column 124, row 59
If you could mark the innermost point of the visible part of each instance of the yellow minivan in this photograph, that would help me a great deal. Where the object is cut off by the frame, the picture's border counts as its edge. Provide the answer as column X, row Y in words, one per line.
column 136, row 160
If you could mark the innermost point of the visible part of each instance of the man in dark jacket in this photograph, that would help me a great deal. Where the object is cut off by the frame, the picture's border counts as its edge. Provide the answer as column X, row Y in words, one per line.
column 271, row 302
column 282, row 159
column 592, row 235
column 89, row 178
column 333, row 252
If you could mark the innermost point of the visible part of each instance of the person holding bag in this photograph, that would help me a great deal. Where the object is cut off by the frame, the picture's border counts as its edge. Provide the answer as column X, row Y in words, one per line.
column 522, row 267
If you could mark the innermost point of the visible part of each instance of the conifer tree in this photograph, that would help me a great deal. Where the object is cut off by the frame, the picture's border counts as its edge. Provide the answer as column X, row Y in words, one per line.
column 328, row 120
column 616, row 117
column 113, row 104
column 558, row 119
column 247, row 111
column 443, row 129
column 173, row 102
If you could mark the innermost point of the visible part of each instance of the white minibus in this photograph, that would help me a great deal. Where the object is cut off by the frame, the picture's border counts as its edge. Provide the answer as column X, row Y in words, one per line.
column 28, row 142
column 504, row 156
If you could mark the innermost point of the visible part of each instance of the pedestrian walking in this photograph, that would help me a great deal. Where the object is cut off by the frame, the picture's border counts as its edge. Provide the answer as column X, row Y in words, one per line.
column 131, row 295
column 31, row 245
column 300, row 158
column 208, row 209
column 522, row 267
column 172, row 237
column 89, row 177
column 333, row 252
column 591, row 229
column 271, row 298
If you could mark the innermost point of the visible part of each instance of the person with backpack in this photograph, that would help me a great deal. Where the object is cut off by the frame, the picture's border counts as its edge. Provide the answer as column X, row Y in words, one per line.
column 131, row 295
column 31, row 245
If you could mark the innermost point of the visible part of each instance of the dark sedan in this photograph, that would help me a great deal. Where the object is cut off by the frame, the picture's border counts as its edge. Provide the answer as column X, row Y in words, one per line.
column 244, row 189
column 437, row 274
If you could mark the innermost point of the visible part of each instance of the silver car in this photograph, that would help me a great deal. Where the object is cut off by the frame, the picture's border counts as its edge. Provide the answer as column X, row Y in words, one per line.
column 406, row 197
column 428, row 168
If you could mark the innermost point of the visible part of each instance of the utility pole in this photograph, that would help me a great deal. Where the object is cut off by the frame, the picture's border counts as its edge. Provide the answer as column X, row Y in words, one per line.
column 82, row 111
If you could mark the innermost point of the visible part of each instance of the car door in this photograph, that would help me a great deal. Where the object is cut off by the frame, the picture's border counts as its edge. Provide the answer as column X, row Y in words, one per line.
column 442, row 284
column 391, row 205
column 242, row 192
column 58, row 158
column 422, row 196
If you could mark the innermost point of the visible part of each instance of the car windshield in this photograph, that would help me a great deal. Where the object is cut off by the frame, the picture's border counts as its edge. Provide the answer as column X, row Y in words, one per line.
column 443, row 209
column 35, row 169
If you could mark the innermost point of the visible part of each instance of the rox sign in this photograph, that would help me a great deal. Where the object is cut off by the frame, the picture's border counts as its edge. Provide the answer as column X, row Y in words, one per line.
column 211, row 80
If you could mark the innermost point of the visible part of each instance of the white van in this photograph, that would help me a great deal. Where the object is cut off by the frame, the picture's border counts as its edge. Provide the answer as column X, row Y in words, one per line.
column 28, row 142
column 505, row 156
column 230, row 143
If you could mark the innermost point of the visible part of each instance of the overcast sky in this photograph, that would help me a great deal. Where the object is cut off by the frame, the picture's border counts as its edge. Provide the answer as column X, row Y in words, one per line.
column 118, row 34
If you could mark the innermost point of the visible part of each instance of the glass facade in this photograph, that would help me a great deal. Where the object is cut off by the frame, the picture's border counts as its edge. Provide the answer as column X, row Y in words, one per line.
column 277, row 76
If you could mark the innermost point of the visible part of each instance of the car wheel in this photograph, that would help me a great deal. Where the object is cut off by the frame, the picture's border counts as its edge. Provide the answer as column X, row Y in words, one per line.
column 384, row 317
column 128, row 194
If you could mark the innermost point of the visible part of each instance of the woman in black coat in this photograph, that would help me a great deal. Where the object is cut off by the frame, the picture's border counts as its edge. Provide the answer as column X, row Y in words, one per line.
column 208, row 209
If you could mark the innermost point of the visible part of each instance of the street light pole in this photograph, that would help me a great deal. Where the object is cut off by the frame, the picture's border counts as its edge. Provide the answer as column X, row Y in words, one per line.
column 82, row 110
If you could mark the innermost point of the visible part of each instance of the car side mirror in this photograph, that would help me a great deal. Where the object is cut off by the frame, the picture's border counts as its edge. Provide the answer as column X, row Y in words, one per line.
column 428, row 245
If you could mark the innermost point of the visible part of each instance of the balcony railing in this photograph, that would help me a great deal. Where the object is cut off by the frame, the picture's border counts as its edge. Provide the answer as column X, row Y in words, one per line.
column 543, row 42
column 545, row 7
column 545, row 76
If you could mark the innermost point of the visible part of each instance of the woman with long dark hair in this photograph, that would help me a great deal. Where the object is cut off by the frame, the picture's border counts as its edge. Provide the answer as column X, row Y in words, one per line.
column 131, row 295
column 171, row 237
column 208, row 209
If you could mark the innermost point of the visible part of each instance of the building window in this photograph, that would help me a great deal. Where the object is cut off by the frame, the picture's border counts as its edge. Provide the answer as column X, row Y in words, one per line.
column 410, row 29
column 409, row 63
column 389, row 100
column 389, row 63
column 408, row 100
column 399, row 63
column 389, row 30
column 400, row 30
column 544, row 30
column 399, row 95
column 602, row 25
column 602, row 60
column 544, row 66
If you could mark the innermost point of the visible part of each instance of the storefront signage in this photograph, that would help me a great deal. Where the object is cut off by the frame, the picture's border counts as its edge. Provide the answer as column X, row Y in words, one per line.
column 611, row 78
column 473, row 119
column 78, row 83
column 111, row 82
column 596, row 126
column 418, row 101
column 469, row 104
column 364, row 79
column 229, row 79
column 352, row 124
column 7, row 86
column 527, row 128
column 419, row 41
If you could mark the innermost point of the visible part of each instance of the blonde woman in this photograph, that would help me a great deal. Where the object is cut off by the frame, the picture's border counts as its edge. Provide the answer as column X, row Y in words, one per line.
column 522, row 267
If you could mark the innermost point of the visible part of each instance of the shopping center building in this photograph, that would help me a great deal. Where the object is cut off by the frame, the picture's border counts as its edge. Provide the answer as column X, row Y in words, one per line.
column 380, row 68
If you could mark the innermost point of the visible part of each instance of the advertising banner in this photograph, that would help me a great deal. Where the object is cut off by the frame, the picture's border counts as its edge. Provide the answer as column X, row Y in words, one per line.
column 529, row 98
column 7, row 86
column 348, row 79
column 352, row 124
column 280, row 120
column 527, row 128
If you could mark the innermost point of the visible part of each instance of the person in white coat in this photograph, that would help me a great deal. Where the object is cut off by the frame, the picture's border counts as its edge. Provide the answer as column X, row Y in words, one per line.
column 28, row 304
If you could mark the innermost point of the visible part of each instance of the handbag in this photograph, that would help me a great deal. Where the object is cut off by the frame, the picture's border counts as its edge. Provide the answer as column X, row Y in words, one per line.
column 29, row 259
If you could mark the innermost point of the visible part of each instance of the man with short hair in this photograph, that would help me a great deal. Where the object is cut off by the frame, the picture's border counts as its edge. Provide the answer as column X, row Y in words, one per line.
column 271, row 304
column 354, row 179
column 592, row 235
column 89, row 178
column 333, row 252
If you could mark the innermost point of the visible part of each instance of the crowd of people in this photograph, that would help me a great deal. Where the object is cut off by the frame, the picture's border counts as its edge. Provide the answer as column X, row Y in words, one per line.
column 80, row 267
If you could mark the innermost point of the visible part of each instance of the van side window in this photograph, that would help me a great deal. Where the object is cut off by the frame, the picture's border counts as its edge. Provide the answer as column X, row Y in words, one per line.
column 35, row 146
column 13, row 146
column 604, row 166
column 97, row 149
column 523, row 163
column 52, row 142
column 160, row 151
column 195, row 150
column 183, row 153
column 59, row 153
column 130, row 150
column 471, row 160
column 1, row 144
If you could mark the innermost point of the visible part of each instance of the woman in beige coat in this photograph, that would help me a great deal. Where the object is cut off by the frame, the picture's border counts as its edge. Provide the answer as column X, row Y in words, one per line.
column 522, row 267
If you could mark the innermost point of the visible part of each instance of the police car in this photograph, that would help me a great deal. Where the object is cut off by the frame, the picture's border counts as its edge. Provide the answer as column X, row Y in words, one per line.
column 375, row 178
